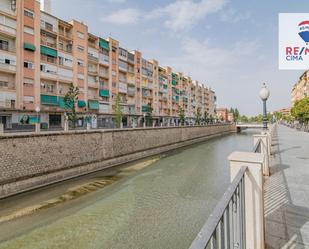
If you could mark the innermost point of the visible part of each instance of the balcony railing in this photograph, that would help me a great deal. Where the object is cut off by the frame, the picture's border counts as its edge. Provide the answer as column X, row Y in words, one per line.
column 6, row 47
column 93, row 58
column 45, row 43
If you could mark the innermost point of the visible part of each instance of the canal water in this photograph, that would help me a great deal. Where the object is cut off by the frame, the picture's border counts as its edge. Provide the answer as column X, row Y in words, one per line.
column 161, row 205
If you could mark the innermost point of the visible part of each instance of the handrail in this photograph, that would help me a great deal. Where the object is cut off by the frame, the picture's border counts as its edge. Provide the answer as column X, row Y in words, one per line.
column 221, row 214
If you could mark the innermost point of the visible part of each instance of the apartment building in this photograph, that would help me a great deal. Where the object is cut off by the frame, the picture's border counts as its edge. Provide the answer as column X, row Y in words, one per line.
column 301, row 88
column 41, row 55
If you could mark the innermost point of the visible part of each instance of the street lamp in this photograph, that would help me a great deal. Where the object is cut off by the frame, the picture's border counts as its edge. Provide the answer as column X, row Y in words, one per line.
column 264, row 95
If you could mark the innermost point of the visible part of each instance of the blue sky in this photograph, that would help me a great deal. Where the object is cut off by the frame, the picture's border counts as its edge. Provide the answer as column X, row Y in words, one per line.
column 230, row 45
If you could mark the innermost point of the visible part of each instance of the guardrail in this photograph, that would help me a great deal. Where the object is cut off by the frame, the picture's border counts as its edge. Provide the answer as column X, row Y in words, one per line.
column 238, row 219
column 225, row 228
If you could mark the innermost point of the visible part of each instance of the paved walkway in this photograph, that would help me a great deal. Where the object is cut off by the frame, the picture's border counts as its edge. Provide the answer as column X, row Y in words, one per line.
column 287, row 191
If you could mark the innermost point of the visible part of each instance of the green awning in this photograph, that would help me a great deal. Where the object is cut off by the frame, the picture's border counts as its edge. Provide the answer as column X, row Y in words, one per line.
column 165, row 86
column 93, row 104
column 174, row 82
column 104, row 44
column 145, row 108
column 49, row 100
column 29, row 46
column 49, row 51
column 81, row 103
column 64, row 105
column 174, row 75
column 104, row 93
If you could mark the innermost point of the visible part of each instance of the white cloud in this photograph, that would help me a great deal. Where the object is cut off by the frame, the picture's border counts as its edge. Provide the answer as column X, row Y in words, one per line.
column 122, row 17
column 183, row 14
column 232, row 16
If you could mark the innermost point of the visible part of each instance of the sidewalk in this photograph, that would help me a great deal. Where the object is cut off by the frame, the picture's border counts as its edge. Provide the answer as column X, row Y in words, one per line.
column 286, row 191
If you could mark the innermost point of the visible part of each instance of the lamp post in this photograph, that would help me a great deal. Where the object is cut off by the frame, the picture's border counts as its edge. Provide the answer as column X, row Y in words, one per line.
column 264, row 95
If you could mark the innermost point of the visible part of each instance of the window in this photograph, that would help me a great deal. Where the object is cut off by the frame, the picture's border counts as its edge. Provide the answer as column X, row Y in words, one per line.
column 28, row 99
column 61, row 60
column 80, row 35
column 4, row 84
column 28, row 82
column 114, row 84
column 80, row 63
column 81, row 49
column 122, row 52
column 114, row 49
column 114, row 73
column 4, row 45
column 28, row 64
column 49, row 26
column 29, row 30
column 28, row 13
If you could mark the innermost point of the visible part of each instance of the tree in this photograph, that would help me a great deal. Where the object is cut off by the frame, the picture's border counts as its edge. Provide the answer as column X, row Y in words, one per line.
column 70, row 100
column 181, row 114
column 206, row 117
column 198, row 116
column 149, row 115
column 236, row 115
column 300, row 110
column 118, row 112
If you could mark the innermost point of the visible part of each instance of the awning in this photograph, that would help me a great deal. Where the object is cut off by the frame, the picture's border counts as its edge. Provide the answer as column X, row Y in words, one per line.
column 93, row 104
column 29, row 46
column 49, row 51
column 49, row 100
column 104, row 44
column 81, row 103
column 104, row 93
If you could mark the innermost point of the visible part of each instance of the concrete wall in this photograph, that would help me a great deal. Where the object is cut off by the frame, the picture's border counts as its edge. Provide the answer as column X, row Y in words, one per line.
column 34, row 160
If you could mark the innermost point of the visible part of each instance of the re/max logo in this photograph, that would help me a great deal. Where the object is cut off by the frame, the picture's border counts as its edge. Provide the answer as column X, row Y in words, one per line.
column 296, row 53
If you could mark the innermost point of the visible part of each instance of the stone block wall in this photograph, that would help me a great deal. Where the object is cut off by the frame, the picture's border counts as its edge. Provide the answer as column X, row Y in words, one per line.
column 29, row 161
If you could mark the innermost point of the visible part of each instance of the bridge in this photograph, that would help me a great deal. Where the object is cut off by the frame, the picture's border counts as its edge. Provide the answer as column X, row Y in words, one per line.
column 241, row 127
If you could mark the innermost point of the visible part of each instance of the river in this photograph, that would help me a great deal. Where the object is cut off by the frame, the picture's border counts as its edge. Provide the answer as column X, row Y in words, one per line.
column 161, row 204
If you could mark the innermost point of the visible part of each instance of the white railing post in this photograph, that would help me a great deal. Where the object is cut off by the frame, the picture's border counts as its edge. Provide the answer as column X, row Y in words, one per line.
column 66, row 125
column 254, row 211
column 37, row 127
column 264, row 149
column 1, row 128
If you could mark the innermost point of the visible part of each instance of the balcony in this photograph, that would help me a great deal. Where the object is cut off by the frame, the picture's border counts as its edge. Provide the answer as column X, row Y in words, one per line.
column 49, row 44
column 8, row 30
column 103, row 59
column 8, row 48
column 93, row 58
column 7, row 67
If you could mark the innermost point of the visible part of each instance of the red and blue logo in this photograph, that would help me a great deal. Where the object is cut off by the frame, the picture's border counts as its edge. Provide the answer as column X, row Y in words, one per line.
column 298, row 53
column 304, row 31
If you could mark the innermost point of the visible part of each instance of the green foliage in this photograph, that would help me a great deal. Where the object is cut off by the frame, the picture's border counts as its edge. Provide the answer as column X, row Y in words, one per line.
column 70, row 100
column 198, row 116
column 149, row 115
column 117, row 111
column 206, row 118
column 278, row 115
column 181, row 113
column 300, row 110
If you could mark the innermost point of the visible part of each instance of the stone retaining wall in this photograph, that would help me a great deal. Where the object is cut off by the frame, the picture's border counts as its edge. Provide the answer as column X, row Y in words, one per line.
column 29, row 161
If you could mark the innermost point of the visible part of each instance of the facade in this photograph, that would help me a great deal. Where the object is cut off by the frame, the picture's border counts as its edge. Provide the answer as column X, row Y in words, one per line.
column 285, row 111
column 301, row 88
column 224, row 115
column 41, row 55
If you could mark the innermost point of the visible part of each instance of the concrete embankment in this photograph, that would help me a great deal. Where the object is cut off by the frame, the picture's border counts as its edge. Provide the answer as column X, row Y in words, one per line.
column 30, row 161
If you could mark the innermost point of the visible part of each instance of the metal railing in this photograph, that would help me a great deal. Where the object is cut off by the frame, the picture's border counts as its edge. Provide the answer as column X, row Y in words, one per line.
column 225, row 228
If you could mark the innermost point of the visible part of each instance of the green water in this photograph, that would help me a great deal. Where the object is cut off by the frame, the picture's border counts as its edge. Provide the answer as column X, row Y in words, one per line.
column 161, row 206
